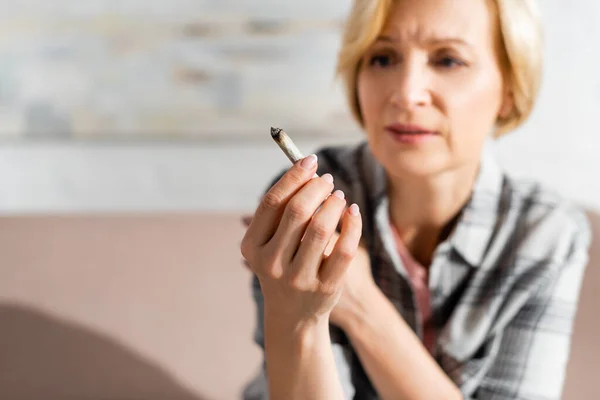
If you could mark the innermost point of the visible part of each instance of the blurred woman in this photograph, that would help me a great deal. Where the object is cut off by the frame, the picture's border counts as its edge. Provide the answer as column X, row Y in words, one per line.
column 465, row 282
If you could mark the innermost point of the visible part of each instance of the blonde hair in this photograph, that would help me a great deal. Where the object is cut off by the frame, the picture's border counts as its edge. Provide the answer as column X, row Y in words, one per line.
column 521, row 52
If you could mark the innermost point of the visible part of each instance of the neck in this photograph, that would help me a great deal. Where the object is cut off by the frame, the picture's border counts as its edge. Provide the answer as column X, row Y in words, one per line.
column 424, row 210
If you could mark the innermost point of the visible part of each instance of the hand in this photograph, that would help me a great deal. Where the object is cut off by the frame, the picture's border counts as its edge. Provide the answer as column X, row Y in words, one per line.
column 286, row 240
column 358, row 283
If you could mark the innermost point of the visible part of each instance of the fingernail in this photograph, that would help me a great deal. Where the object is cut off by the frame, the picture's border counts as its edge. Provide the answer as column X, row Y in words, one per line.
column 339, row 194
column 309, row 162
column 354, row 210
column 327, row 178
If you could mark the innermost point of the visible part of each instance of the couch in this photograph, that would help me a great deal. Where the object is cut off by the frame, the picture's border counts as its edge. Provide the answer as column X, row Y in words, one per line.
column 156, row 306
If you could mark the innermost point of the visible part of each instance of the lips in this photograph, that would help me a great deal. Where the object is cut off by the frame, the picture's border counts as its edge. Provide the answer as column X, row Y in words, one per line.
column 410, row 134
column 405, row 129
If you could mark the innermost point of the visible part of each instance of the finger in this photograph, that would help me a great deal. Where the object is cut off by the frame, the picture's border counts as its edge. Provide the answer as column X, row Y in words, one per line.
column 331, row 244
column 335, row 266
column 269, row 211
column 334, row 237
column 320, row 230
column 298, row 214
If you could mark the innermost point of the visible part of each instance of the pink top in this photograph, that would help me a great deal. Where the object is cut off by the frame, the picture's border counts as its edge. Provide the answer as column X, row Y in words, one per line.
column 419, row 280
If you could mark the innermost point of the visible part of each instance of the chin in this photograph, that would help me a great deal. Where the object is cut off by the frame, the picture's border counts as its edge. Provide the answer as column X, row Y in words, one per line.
column 412, row 164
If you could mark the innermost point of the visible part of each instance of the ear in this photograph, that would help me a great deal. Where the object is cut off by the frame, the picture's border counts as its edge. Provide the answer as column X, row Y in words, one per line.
column 507, row 106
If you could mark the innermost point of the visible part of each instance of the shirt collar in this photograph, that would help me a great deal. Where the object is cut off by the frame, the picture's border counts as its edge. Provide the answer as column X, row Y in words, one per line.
column 479, row 217
column 477, row 222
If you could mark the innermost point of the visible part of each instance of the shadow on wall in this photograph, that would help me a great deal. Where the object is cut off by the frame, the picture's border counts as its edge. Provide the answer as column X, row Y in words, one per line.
column 46, row 358
column 584, row 363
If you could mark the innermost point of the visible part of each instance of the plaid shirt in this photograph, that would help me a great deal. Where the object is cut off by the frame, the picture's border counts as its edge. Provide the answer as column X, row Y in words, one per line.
column 504, row 286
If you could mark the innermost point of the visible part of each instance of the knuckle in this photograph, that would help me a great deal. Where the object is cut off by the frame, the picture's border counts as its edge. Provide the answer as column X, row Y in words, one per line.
column 297, row 284
column 297, row 211
column 346, row 255
column 272, row 273
column 295, row 177
column 272, row 200
column 320, row 231
column 329, row 289
column 270, row 267
column 246, row 248
column 270, row 259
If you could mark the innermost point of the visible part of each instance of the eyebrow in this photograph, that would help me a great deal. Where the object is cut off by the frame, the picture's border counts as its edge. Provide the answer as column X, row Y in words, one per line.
column 434, row 41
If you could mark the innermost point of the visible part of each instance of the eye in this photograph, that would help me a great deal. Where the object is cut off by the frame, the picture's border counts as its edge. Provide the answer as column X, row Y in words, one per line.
column 449, row 62
column 381, row 60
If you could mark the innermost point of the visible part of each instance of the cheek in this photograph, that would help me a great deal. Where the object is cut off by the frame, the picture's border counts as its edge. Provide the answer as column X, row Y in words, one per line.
column 370, row 99
column 363, row 97
column 475, row 106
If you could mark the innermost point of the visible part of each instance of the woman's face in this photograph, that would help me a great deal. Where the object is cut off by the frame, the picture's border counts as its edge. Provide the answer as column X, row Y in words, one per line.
column 431, row 87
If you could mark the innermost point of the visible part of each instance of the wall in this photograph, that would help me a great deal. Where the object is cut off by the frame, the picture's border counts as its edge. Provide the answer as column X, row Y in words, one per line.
column 220, row 167
column 167, row 69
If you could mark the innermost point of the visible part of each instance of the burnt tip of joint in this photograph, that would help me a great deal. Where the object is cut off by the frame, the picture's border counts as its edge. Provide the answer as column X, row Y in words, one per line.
column 275, row 133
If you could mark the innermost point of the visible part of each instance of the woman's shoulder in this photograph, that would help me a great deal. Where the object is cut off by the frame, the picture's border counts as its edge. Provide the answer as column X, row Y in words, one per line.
column 545, row 217
column 346, row 162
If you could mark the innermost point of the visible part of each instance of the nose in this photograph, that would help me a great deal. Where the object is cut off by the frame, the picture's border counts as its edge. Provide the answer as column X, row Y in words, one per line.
column 411, row 89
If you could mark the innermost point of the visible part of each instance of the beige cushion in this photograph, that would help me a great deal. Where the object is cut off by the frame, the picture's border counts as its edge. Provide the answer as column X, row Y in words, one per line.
column 124, row 307
column 584, row 364
column 155, row 307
